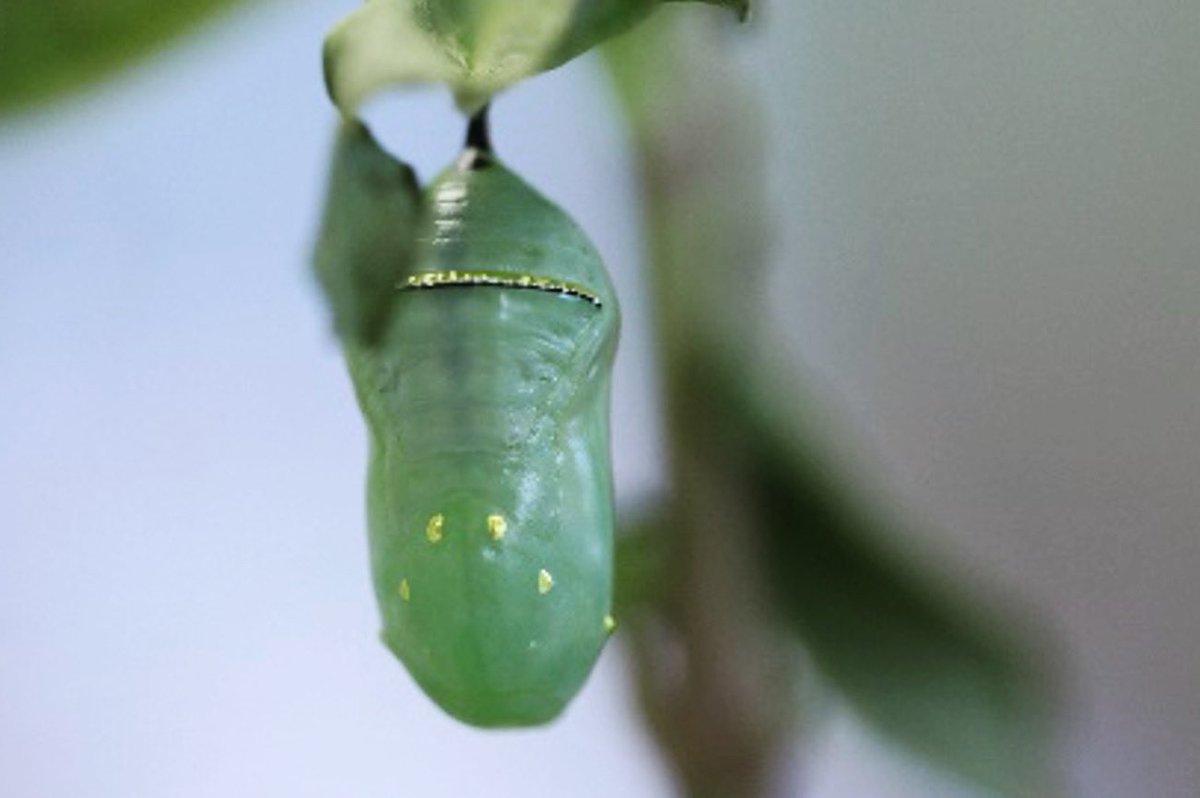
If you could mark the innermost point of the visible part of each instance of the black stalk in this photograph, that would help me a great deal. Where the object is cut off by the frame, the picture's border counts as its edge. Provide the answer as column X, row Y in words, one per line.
column 479, row 135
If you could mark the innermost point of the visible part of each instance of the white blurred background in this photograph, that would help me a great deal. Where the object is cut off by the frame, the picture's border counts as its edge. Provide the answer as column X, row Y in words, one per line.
column 988, row 232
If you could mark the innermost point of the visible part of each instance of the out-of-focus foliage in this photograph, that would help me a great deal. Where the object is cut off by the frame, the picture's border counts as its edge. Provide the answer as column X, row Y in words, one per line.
column 475, row 47
column 913, row 657
column 49, row 47
column 366, row 243
column 907, row 654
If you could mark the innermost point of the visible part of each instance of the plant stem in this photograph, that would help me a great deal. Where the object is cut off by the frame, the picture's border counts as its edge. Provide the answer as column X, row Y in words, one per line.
column 716, row 675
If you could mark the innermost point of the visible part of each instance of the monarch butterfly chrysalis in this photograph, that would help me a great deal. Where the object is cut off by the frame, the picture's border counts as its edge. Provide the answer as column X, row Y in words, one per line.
column 489, row 491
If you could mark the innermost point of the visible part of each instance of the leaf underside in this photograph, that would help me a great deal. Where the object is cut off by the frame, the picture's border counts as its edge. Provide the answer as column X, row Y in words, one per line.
column 365, row 245
column 477, row 48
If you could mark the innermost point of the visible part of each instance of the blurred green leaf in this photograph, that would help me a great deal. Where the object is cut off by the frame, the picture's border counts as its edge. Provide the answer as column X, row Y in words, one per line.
column 475, row 47
column 49, row 47
column 641, row 556
column 366, row 240
column 911, row 655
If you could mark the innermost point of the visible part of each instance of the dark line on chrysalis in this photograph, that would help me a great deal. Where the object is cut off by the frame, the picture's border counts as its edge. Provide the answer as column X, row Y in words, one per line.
column 492, row 279
column 477, row 152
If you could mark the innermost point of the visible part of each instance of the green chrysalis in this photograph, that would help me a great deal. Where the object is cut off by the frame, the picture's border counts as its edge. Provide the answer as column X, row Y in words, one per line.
column 489, row 490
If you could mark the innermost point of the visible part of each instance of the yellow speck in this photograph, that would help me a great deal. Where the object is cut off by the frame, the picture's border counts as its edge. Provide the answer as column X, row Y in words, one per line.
column 497, row 526
column 610, row 624
column 404, row 592
column 545, row 581
column 433, row 530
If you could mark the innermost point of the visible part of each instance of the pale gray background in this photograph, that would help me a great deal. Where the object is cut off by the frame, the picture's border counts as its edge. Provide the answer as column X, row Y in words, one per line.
column 989, row 216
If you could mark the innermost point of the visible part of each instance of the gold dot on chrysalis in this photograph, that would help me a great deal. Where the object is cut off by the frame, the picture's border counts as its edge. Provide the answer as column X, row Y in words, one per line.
column 404, row 592
column 433, row 530
column 545, row 581
column 610, row 624
column 497, row 526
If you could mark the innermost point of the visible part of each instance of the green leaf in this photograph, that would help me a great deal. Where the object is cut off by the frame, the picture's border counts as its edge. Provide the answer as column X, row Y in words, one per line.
column 475, row 47
column 366, row 243
column 641, row 559
column 50, row 47
column 910, row 653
